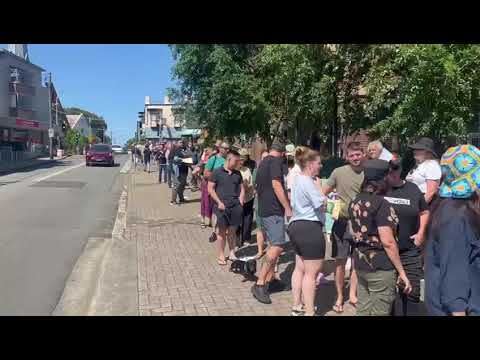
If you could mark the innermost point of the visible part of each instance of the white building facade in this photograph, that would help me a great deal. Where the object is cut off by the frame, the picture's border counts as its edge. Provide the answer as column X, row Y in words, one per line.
column 80, row 123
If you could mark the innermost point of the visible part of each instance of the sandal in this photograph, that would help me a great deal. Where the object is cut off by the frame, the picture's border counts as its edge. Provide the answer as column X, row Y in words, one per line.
column 204, row 226
column 222, row 262
column 212, row 237
column 338, row 308
column 353, row 304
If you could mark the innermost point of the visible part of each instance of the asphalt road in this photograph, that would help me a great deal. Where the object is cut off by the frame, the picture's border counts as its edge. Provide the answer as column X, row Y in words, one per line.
column 47, row 216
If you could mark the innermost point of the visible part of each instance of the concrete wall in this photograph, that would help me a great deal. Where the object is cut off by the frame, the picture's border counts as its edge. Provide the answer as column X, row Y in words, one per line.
column 39, row 100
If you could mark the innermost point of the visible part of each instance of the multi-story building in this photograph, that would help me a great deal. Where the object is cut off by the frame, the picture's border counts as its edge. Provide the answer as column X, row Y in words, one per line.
column 159, row 120
column 24, row 107
column 160, row 114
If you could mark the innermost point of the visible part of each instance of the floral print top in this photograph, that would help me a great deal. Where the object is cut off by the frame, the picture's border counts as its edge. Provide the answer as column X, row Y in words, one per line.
column 368, row 212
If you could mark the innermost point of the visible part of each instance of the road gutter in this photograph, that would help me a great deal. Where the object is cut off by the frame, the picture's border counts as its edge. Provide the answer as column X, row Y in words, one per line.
column 83, row 290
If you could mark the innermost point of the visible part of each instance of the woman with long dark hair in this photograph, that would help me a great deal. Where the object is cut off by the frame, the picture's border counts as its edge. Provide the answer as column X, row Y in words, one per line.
column 374, row 226
column 452, row 261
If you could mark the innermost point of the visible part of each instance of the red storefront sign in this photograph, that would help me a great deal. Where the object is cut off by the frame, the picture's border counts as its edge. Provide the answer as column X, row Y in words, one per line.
column 27, row 123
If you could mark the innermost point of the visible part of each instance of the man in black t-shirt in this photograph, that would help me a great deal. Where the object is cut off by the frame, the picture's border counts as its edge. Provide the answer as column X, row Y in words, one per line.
column 273, row 206
column 226, row 189
column 412, row 211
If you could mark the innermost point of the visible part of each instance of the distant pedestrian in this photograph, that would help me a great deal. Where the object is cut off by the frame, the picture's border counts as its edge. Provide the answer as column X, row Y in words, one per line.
column 162, row 163
column 206, row 203
column 170, row 154
column 452, row 261
column 226, row 189
column 376, row 150
column 180, row 170
column 138, row 156
column 427, row 172
column 294, row 169
column 245, row 232
column 195, row 179
column 260, row 235
column 146, row 157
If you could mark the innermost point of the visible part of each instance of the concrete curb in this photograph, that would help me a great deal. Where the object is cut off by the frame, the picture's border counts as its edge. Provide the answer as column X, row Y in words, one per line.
column 79, row 295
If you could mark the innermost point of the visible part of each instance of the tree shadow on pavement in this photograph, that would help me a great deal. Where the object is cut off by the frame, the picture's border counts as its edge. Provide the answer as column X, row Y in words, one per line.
column 38, row 164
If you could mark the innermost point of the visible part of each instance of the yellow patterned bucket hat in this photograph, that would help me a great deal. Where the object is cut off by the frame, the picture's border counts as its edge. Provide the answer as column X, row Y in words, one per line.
column 461, row 172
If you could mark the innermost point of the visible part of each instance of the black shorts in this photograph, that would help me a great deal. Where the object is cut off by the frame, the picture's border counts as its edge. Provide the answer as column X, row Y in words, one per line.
column 307, row 239
column 231, row 216
column 341, row 239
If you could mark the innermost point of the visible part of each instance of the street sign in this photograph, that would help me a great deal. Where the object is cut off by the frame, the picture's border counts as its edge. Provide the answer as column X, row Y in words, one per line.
column 51, row 133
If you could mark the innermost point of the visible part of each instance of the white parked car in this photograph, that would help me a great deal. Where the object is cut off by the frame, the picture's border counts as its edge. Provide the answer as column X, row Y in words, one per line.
column 117, row 149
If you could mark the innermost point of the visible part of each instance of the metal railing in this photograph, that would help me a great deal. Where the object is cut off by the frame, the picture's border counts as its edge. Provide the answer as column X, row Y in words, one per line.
column 7, row 154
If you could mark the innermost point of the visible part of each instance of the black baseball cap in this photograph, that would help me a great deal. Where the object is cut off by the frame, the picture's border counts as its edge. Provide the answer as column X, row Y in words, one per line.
column 375, row 169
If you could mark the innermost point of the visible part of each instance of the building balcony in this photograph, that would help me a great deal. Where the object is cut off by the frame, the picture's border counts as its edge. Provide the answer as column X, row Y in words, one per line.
column 27, row 114
column 19, row 88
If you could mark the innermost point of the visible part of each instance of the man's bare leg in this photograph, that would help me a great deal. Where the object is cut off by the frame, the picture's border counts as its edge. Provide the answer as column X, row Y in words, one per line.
column 266, row 272
column 352, row 297
column 339, row 283
column 221, row 237
column 232, row 236
column 260, row 242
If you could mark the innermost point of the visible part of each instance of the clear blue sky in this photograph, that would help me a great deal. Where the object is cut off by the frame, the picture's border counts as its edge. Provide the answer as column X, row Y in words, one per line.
column 109, row 80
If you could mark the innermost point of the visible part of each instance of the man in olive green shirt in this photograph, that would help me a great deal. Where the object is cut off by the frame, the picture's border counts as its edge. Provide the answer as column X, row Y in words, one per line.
column 347, row 181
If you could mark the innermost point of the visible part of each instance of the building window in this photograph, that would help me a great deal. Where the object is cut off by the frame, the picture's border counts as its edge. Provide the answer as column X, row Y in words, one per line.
column 21, row 76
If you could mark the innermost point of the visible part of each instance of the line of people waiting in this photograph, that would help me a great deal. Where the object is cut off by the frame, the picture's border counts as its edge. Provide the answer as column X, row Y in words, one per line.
column 396, row 231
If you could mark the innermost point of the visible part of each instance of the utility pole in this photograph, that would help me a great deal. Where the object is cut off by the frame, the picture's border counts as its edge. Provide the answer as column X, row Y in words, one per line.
column 50, row 135
column 56, row 118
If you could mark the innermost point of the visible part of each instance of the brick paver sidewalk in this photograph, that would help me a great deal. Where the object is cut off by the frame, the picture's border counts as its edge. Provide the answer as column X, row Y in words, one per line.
column 177, row 269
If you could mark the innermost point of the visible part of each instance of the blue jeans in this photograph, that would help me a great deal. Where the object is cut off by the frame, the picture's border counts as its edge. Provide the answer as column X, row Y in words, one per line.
column 162, row 169
column 169, row 174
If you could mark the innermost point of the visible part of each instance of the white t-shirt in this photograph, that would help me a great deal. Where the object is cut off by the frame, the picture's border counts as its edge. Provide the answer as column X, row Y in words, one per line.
column 427, row 170
column 292, row 174
column 385, row 155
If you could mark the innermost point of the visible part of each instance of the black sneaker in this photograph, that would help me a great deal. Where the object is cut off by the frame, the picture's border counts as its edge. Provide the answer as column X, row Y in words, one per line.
column 276, row 286
column 261, row 294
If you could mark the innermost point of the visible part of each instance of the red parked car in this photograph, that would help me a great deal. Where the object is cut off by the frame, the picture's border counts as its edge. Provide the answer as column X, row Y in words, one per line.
column 100, row 154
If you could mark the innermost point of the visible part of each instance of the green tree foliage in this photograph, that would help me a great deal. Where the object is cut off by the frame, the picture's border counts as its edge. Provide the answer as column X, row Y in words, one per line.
column 72, row 140
column 289, row 90
column 426, row 90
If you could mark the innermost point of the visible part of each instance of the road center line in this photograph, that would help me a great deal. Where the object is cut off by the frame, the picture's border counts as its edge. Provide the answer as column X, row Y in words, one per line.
column 58, row 172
